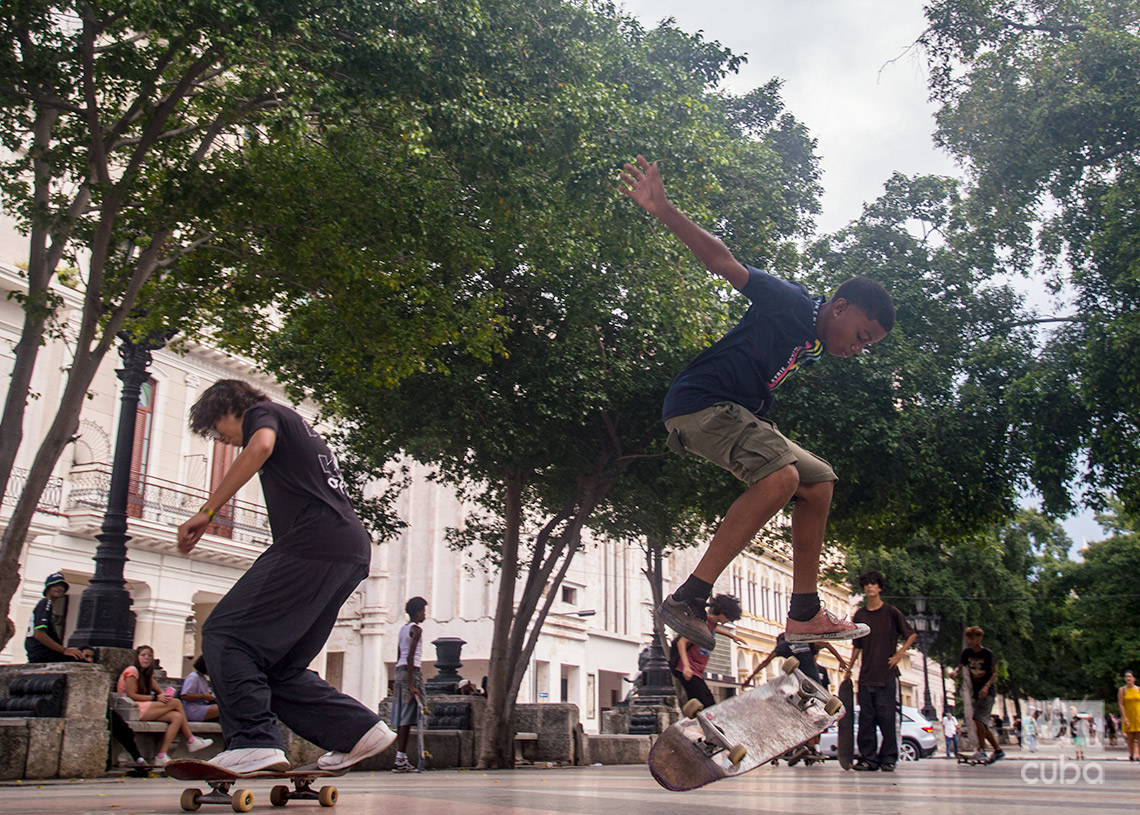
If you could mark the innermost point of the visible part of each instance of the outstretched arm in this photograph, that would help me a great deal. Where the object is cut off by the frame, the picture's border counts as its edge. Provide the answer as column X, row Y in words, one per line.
column 643, row 184
column 245, row 467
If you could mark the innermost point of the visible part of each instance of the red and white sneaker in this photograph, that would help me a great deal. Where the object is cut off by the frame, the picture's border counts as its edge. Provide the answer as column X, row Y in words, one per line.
column 824, row 627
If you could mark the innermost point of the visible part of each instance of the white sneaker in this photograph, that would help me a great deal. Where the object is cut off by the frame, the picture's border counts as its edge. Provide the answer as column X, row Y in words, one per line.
column 195, row 744
column 251, row 760
column 374, row 741
column 161, row 760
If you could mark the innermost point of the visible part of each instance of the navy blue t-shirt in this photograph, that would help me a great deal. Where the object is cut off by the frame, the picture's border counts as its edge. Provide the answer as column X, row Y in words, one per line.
column 775, row 337
column 309, row 511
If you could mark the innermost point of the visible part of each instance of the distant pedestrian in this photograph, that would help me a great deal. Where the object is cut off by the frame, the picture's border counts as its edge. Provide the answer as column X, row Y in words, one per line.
column 1129, row 699
column 950, row 732
column 1029, row 731
column 408, row 699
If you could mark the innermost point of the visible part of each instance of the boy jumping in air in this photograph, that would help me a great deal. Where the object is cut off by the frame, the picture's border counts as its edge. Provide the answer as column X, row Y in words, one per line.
column 716, row 408
column 261, row 637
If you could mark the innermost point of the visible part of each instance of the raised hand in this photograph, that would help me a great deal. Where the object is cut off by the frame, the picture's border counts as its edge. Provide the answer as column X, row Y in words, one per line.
column 643, row 184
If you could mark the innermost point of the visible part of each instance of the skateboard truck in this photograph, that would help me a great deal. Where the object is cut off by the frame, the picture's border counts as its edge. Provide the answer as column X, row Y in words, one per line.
column 810, row 692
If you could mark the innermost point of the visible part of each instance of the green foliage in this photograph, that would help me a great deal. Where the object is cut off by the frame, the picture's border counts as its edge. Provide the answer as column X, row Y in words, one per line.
column 919, row 430
column 1040, row 101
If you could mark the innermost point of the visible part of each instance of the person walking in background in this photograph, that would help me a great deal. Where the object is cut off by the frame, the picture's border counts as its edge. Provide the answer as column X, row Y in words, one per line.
column 1029, row 731
column 950, row 732
column 408, row 699
column 1128, row 698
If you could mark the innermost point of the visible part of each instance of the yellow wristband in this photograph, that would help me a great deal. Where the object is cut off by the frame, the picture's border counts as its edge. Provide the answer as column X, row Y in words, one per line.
column 209, row 512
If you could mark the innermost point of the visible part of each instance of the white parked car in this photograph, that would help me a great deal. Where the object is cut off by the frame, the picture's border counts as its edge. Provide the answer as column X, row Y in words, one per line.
column 918, row 739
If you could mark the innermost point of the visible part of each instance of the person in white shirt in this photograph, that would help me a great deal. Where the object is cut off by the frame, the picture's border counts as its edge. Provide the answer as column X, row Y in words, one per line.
column 950, row 732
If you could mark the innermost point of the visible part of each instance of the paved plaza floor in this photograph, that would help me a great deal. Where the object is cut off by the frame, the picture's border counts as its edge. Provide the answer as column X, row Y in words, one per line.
column 928, row 787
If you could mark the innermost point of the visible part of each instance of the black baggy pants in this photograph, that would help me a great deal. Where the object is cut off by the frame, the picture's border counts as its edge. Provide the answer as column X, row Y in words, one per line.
column 879, row 709
column 258, row 643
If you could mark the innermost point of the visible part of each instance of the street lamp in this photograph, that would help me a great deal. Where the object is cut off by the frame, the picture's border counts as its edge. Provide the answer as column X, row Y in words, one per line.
column 585, row 612
column 926, row 626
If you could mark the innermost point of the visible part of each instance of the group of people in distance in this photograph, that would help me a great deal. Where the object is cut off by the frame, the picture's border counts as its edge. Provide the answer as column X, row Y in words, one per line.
column 261, row 637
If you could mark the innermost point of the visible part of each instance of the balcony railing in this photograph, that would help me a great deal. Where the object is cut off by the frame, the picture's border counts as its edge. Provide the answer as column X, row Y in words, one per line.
column 168, row 503
column 49, row 499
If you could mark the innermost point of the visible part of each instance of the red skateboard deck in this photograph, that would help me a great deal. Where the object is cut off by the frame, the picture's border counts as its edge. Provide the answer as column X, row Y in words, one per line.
column 241, row 800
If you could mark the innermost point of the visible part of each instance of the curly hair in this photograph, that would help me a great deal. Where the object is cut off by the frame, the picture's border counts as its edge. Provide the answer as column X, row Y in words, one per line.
column 727, row 605
column 223, row 397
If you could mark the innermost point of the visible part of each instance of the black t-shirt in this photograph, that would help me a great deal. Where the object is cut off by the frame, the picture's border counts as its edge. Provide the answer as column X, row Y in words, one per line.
column 888, row 626
column 309, row 511
column 775, row 337
column 41, row 621
column 981, row 665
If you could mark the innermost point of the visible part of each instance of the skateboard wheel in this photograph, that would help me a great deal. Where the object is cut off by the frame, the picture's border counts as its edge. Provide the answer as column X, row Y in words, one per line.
column 833, row 706
column 737, row 753
column 327, row 797
column 790, row 664
column 279, row 795
column 692, row 708
column 191, row 800
column 242, row 801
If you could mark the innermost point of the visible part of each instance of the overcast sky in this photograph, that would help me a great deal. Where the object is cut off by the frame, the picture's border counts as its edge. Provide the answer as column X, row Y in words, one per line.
column 851, row 75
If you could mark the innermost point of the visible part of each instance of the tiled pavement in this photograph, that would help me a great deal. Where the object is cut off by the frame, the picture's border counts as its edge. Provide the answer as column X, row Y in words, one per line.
column 929, row 787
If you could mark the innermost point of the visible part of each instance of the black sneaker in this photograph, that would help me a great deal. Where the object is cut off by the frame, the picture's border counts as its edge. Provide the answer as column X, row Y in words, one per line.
column 687, row 618
column 888, row 768
column 864, row 767
column 997, row 756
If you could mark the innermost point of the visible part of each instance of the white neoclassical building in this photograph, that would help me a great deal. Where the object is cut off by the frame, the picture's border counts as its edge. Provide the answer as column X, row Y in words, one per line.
column 588, row 659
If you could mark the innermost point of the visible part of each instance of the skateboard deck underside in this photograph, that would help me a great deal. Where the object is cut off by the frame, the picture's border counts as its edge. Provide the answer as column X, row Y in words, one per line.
column 765, row 720
column 190, row 769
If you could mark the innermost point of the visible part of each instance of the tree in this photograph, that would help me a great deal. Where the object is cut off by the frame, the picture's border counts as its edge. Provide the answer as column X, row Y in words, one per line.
column 599, row 308
column 123, row 124
column 919, row 430
column 1039, row 103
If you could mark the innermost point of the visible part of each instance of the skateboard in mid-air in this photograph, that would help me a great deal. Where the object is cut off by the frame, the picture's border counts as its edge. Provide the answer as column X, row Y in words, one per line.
column 742, row 732
column 845, row 741
column 241, row 800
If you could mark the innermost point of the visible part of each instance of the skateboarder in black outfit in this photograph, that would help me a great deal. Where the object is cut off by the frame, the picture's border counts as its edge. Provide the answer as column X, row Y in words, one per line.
column 261, row 637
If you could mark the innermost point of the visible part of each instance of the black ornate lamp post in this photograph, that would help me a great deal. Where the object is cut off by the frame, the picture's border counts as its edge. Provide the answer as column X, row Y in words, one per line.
column 926, row 626
column 655, row 684
column 105, row 616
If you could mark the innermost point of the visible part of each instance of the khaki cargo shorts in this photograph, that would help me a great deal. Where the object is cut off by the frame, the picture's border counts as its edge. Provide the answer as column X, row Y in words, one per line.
column 748, row 446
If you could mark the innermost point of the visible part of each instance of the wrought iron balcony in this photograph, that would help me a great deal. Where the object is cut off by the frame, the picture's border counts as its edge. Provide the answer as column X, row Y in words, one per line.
column 49, row 499
column 168, row 503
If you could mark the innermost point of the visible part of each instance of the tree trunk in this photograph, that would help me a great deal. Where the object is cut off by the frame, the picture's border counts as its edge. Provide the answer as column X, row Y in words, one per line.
column 59, row 435
column 496, row 751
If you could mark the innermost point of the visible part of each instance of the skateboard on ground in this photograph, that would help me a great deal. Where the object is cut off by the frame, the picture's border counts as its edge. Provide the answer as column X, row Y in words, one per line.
column 221, row 780
column 845, row 742
column 973, row 762
column 743, row 732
